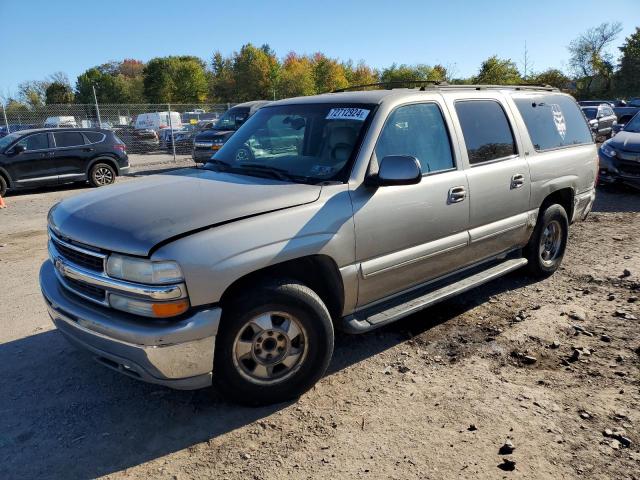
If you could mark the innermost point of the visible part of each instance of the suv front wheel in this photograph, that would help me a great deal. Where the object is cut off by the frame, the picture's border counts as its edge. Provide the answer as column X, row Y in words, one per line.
column 274, row 343
column 548, row 242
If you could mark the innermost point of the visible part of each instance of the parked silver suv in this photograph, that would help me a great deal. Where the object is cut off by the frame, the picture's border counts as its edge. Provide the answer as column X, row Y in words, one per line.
column 346, row 210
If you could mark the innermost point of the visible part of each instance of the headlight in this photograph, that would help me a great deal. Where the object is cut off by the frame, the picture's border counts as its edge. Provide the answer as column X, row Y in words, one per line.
column 607, row 150
column 148, row 309
column 139, row 270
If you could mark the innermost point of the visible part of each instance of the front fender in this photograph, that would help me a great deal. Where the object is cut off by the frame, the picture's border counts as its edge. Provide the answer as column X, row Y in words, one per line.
column 213, row 259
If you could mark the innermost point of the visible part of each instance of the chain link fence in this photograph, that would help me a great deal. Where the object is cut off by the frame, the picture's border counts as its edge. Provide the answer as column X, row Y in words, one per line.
column 144, row 128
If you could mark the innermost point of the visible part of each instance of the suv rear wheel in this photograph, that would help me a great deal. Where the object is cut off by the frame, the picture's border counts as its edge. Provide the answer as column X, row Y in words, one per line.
column 274, row 343
column 102, row 174
column 548, row 242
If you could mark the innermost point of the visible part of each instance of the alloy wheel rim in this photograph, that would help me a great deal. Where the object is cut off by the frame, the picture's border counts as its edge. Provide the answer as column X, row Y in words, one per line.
column 270, row 347
column 550, row 242
column 103, row 176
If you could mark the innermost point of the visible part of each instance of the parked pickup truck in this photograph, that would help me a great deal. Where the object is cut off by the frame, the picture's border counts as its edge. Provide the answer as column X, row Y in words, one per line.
column 339, row 211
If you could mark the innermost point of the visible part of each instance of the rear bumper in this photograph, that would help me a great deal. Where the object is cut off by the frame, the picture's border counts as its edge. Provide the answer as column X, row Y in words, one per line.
column 177, row 354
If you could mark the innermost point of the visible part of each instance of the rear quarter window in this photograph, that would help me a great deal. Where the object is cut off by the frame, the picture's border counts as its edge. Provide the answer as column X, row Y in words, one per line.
column 553, row 121
column 94, row 137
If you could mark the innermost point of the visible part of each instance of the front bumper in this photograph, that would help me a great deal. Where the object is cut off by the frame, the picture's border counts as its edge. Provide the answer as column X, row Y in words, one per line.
column 613, row 170
column 202, row 155
column 177, row 353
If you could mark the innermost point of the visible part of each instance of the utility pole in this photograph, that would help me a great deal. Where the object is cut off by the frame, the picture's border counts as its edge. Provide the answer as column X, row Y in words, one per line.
column 526, row 61
column 95, row 98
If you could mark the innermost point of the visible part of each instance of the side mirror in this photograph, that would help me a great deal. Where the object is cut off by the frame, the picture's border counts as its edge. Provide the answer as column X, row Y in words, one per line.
column 18, row 149
column 398, row 170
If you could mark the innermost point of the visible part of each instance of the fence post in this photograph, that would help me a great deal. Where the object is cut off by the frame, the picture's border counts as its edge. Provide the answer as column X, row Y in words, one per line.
column 95, row 98
column 6, row 122
column 173, row 142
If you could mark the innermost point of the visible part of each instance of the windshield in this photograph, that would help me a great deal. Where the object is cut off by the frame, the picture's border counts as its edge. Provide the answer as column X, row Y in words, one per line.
column 306, row 142
column 590, row 113
column 232, row 119
column 8, row 140
column 633, row 125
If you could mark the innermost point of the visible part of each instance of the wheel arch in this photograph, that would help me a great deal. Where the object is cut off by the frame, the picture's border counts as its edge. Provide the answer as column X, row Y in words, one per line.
column 318, row 272
column 104, row 159
column 563, row 197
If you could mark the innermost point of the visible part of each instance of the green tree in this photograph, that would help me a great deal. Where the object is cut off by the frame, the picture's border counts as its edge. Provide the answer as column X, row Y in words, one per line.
column 254, row 73
column 628, row 75
column 222, row 84
column 109, row 87
column 404, row 73
column 360, row 74
column 174, row 79
column 328, row 74
column 551, row 76
column 296, row 76
column 58, row 92
column 497, row 71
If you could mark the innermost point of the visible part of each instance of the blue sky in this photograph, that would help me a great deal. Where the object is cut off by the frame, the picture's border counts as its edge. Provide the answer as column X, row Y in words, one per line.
column 39, row 37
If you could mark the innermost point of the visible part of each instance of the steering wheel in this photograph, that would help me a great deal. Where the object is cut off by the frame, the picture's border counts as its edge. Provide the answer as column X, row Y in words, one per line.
column 244, row 154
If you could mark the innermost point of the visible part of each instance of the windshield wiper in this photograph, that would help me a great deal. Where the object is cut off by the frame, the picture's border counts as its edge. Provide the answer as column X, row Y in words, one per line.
column 279, row 173
column 219, row 163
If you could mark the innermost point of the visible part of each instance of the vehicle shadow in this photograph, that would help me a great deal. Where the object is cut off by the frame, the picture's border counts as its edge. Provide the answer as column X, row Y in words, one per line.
column 65, row 416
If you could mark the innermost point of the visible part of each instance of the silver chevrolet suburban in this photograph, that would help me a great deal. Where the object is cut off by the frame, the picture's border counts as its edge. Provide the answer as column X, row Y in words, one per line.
column 345, row 210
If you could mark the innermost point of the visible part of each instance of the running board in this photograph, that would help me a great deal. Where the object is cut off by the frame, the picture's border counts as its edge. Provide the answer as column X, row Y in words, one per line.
column 404, row 305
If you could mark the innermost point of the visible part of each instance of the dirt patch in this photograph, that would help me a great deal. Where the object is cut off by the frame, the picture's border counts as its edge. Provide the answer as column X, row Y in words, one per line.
column 434, row 396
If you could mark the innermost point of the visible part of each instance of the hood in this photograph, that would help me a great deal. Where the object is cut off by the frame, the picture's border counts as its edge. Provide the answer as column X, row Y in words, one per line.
column 627, row 141
column 211, row 134
column 133, row 217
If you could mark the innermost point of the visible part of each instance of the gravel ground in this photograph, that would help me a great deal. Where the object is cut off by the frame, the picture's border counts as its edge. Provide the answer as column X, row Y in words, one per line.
column 550, row 366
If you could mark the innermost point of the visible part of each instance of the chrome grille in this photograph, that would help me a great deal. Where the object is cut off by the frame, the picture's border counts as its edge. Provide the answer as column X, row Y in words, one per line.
column 79, row 256
column 86, row 290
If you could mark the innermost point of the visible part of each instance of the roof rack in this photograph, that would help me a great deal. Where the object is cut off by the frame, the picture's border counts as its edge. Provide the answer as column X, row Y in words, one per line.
column 435, row 84
column 391, row 85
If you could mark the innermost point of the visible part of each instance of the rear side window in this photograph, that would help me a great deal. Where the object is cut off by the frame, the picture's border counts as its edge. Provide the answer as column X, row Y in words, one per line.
column 486, row 130
column 553, row 121
column 68, row 139
column 39, row 141
column 94, row 137
column 419, row 131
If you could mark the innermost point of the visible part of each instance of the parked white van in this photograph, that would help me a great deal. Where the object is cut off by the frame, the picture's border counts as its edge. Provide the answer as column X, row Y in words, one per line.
column 55, row 122
column 158, row 120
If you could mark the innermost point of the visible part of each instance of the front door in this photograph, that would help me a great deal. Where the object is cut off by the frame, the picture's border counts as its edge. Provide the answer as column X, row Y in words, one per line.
column 498, row 174
column 33, row 166
column 70, row 155
column 409, row 234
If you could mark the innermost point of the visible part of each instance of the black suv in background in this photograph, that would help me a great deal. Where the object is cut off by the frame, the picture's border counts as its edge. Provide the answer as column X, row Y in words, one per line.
column 53, row 156
column 208, row 142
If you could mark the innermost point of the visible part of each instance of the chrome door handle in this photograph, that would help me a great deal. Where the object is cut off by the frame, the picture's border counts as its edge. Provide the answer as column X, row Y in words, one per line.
column 517, row 180
column 457, row 194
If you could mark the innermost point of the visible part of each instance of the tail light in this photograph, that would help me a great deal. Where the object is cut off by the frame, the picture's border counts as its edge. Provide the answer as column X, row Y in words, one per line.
column 120, row 147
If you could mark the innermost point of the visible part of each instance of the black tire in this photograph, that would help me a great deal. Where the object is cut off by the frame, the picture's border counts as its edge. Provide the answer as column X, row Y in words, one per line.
column 102, row 174
column 288, row 297
column 3, row 186
column 554, row 216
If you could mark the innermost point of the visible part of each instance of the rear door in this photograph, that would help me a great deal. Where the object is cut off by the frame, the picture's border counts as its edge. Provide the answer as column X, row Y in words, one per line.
column 498, row 174
column 70, row 155
column 34, row 166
